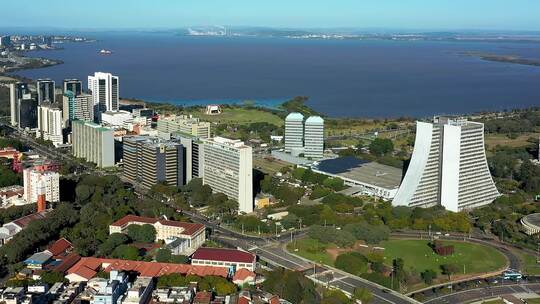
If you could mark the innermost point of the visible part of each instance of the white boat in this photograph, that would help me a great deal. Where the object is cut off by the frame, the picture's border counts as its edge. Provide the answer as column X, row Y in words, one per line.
column 105, row 52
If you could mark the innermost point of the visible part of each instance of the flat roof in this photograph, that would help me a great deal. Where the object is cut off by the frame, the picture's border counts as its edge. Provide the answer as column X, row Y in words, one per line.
column 533, row 219
column 363, row 171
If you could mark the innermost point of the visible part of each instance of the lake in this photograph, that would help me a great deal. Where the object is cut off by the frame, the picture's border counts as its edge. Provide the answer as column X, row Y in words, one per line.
column 342, row 78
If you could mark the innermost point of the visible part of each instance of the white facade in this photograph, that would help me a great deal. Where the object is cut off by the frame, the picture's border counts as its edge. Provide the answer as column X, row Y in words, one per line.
column 183, row 124
column 93, row 143
column 314, row 137
column 294, row 132
column 448, row 167
column 117, row 118
column 80, row 107
column 50, row 124
column 227, row 167
column 105, row 91
column 37, row 180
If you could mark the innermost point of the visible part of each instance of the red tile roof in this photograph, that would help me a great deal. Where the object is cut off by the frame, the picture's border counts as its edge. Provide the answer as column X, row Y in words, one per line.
column 82, row 271
column 60, row 246
column 147, row 269
column 225, row 255
column 24, row 221
column 189, row 228
column 243, row 300
column 242, row 274
column 67, row 262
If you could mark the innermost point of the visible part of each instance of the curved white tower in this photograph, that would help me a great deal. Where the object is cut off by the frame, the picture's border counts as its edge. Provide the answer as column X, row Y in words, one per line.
column 448, row 167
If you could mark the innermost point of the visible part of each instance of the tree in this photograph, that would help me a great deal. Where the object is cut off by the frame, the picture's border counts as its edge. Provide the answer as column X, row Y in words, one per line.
column 352, row 262
column 449, row 269
column 428, row 276
column 126, row 252
column 291, row 285
column 363, row 294
column 290, row 221
column 163, row 255
column 51, row 277
column 335, row 183
column 142, row 233
column 381, row 146
column 372, row 234
column 114, row 240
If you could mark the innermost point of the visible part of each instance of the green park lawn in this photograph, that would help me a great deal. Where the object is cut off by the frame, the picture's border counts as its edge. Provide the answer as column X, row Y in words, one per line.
column 419, row 256
column 312, row 250
column 529, row 264
column 416, row 254
column 239, row 115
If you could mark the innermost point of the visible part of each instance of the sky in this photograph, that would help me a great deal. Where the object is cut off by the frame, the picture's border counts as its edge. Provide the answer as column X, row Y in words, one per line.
column 390, row 14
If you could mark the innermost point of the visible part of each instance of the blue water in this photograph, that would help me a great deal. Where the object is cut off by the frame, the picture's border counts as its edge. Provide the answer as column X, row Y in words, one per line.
column 341, row 78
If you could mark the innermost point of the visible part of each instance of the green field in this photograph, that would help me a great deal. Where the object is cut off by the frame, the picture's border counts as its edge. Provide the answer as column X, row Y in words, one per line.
column 533, row 301
column 529, row 264
column 312, row 250
column 237, row 116
column 418, row 255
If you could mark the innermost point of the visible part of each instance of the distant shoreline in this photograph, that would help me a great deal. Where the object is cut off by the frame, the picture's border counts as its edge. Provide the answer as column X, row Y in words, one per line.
column 504, row 58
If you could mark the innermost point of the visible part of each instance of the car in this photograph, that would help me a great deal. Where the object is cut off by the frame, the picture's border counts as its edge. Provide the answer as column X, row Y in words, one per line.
column 385, row 290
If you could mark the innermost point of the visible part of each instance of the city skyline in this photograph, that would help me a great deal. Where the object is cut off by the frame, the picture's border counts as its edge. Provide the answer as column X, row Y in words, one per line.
column 416, row 14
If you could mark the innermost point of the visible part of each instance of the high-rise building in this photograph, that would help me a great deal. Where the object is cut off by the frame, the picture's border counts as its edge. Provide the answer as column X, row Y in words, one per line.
column 105, row 90
column 27, row 112
column 448, row 167
column 150, row 160
column 5, row 41
column 16, row 93
column 80, row 107
column 35, row 180
column 228, row 166
column 314, row 137
column 45, row 91
column 183, row 124
column 72, row 85
column 50, row 123
column 294, row 133
column 93, row 143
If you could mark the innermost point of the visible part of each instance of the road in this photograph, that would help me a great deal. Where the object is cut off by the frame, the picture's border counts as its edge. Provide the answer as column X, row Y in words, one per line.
column 270, row 250
column 486, row 293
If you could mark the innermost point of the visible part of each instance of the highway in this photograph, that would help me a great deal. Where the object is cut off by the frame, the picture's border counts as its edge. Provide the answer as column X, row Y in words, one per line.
column 486, row 293
column 271, row 251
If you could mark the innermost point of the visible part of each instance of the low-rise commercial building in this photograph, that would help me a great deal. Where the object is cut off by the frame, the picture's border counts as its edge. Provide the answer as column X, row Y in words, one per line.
column 230, row 258
column 193, row 233
column 190, row 125
column 117, row 119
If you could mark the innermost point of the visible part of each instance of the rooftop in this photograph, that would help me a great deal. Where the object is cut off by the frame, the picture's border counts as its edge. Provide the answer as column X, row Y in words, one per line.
column 532, row 219
column 26, row 220
column 88, row 267
column 315, row 119
column 60, row 246
column 371, row 173
column 189, row 228
column 222, row 254
column 295, row 116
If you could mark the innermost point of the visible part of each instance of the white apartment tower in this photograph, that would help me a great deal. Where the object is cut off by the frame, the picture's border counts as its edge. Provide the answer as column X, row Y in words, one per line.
column 105, row 91
column 93, row 143
column 50, row 123
column 35, row 179
column 314, row 137
column 448, row 167
column 294, row 133
column 227, row 166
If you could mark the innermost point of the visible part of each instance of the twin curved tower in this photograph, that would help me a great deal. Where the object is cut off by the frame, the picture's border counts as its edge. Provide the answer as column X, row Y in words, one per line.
column 448, row 167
